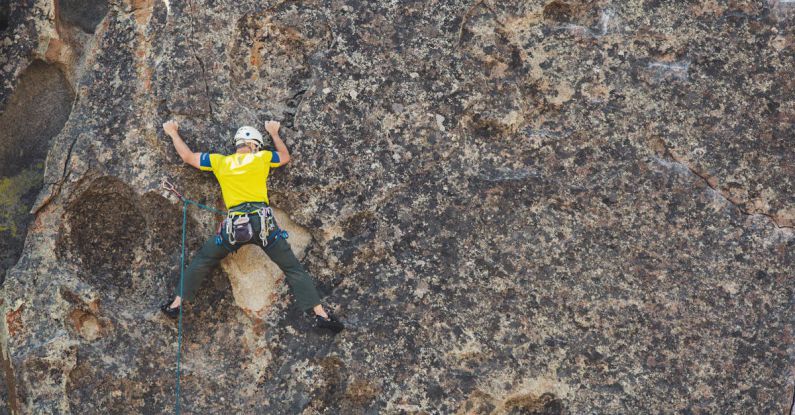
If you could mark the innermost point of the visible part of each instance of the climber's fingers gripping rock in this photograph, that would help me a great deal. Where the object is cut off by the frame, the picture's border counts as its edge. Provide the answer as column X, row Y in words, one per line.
column 272, row 127
column 170, row 127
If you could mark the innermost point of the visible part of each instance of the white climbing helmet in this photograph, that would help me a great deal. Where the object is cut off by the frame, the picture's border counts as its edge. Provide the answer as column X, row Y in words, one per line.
column 247, row 133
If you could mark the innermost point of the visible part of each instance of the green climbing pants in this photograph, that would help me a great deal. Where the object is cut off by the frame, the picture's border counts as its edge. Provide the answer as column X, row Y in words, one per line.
column 279, row 251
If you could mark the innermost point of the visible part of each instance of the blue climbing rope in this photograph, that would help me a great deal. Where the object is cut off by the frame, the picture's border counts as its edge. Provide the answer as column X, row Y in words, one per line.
column 185, row 202
column 181, row 285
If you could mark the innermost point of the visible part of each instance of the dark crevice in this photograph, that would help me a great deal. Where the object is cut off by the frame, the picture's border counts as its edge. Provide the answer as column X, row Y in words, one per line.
column 792, row 404
column 35, row 113
column 206, row 85
column 37, row 110
column 290, row 116
column 199, row 60
column 5, row 11
column 65, row 172
column 707, row 179
column 64, row 177
column 85, row 14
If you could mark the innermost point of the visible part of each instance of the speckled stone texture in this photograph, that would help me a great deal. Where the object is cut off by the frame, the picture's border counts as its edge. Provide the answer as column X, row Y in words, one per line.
column 535, row 207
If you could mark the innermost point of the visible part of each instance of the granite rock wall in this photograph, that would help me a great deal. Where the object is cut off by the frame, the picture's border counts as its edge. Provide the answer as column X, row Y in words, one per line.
column 518, row 207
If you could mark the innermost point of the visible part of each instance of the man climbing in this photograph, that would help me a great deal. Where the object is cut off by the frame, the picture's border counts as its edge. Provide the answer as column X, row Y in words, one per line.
column 243, row 179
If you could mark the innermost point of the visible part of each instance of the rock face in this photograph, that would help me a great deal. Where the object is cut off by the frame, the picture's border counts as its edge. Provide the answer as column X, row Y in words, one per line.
column 34, row 114
column 535, row 207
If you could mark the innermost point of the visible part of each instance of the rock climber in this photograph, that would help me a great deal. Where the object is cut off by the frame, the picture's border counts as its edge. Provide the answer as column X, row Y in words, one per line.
column 243, row 179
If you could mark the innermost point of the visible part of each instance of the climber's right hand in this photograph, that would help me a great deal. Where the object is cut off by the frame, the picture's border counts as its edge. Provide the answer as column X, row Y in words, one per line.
column 272, row 127
column 170, row 127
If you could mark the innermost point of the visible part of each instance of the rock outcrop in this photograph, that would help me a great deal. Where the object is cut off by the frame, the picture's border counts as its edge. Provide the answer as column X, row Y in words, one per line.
column 518, row 207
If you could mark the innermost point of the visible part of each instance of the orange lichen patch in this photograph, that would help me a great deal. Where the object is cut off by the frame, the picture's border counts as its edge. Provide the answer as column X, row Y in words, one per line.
column 261, row 351
column 256, row 49
column 142, row 9
column 361, row 393
column 94, row 306
column 85, row 323
column 292, row 34
column 58, row 51
column 103, row 25
column 147, row 79
column 54, row 50
column 38, row 221
column 711, row 180
column 143, row 70
column 259, row 327
column 14, row 321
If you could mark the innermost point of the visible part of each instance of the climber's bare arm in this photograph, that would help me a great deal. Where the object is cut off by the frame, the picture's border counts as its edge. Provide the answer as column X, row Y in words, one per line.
column 184, row 151
column 273, row 129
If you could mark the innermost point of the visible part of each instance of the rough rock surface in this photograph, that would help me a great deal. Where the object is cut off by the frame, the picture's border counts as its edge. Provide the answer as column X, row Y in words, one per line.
column 519, row 207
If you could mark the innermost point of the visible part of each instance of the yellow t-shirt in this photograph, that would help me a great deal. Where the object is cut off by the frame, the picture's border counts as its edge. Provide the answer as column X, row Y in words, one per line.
column 243, row 177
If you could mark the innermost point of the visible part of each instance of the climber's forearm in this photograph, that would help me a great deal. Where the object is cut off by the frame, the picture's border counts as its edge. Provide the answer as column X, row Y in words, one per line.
column 183, row 150
column 284, row 154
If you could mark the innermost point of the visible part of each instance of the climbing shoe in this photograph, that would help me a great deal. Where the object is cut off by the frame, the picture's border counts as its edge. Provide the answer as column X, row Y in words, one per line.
column 331, row 323
column 168, row 310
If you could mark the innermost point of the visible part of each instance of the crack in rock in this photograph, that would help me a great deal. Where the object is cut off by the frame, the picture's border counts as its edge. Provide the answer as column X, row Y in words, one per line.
column 199, row 60
column 666, row 151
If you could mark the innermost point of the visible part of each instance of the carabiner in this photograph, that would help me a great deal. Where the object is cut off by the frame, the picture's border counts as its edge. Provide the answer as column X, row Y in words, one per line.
column 230, row 233
column 169, row 187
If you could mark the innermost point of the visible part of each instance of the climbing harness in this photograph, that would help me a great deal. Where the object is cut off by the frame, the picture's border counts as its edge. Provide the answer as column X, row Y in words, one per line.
column 238, row 229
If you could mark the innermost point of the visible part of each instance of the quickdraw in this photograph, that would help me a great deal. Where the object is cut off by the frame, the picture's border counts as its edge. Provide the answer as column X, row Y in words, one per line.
column 168, row 186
